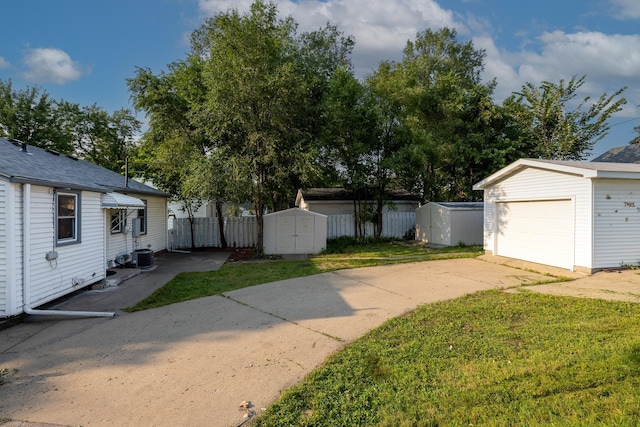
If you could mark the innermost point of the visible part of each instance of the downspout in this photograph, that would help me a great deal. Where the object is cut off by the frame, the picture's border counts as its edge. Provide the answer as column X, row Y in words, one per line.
column 26, row 274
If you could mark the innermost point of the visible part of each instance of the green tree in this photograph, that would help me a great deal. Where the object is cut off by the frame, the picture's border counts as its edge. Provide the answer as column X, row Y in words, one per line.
column 555, row 126
column 263, row 86
column 442, row 116
column 31, row 116
column 349, row 134
column 174, row 140
column 90, row 133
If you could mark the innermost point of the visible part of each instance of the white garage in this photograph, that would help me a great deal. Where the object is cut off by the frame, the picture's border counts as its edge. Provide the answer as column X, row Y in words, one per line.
column 575, row 215
column 294, row 231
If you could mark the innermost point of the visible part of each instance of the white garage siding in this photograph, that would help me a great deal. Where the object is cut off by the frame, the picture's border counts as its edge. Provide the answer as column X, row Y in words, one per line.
column 540, row 231
column 617, row 223
column 532, row 184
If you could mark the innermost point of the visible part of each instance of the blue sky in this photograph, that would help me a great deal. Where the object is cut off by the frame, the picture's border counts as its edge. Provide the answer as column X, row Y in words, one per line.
column 83, row 51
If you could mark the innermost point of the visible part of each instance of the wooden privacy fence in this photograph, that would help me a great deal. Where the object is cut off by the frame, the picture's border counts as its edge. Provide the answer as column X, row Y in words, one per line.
column 242, row 232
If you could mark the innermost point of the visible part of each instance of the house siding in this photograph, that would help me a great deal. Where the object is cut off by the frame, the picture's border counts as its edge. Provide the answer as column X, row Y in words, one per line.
column 536, row 184
column 4, row 272
column 77, row 265
column 616, row 218
column 155, row 238
column 156, row 235
column 10, row 248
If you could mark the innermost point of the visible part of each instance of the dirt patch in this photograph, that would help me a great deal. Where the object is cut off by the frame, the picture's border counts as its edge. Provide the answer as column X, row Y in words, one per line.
column 236, row 254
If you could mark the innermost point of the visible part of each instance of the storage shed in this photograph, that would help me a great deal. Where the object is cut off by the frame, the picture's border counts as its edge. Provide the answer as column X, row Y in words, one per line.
column 582, row 216
column 450, row 223
column 294, row 231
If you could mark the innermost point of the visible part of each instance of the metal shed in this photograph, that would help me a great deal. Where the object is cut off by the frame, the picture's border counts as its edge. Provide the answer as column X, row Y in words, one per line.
column 294, row 231
column 450, row 223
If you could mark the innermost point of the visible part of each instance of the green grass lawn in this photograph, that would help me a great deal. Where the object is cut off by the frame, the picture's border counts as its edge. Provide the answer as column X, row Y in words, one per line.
column 491, row 358
column 341, row 254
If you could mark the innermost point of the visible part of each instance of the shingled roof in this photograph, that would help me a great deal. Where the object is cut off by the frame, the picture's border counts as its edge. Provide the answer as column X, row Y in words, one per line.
column 343, row 194
column 23, row 163
column 626, row 154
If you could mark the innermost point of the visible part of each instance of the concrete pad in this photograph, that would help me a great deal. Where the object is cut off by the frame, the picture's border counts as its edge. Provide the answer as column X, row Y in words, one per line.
column 188, row 364
column 432, row 281
column 617, row 285
column 327, row 303
column 193, row 363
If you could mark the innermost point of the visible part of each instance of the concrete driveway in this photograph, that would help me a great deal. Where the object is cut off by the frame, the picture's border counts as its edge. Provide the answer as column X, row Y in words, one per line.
column 193, row 363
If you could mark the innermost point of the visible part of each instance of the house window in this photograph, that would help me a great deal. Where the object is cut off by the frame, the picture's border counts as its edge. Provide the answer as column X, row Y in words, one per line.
column 68, row 218
column 142, row 216
column 118, row 222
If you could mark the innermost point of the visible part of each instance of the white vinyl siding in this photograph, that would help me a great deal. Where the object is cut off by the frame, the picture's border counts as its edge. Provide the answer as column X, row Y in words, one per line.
column 616, row 219
column 155, row 237
column 532, row 184
column 4, row 271
column 10, row 249
column 77, row 265
column 156, row 233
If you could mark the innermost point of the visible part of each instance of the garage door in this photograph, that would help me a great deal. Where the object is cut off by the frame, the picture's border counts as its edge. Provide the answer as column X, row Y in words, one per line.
column 540, row 231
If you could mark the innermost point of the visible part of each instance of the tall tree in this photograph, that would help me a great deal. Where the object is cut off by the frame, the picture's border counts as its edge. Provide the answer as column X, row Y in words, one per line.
column 174, row 140
column 349, row 134
column 557, row 127
column 263, row 85
column 442, row 114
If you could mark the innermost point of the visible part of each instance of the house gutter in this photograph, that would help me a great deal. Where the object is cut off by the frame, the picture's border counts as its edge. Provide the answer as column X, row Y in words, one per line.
column 26, row 274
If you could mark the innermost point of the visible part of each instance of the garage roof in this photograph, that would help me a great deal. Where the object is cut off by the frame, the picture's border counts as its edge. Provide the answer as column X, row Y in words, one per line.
column 582, row 169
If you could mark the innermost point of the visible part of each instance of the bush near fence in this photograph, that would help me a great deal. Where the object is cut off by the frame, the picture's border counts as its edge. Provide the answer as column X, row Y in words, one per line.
column 242, row 232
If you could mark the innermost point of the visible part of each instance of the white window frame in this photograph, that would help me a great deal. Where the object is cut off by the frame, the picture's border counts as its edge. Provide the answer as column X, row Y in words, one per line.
column 75, row 218
column 143, row 218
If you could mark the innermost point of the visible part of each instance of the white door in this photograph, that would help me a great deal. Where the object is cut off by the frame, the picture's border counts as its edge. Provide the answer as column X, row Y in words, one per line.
column 295, row 234
column 286, row 232
column 536, row 231
column 304, row 234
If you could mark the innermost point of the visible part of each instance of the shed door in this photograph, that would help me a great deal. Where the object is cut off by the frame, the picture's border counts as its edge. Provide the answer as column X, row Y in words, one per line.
column 295, row 234
column 536, row 231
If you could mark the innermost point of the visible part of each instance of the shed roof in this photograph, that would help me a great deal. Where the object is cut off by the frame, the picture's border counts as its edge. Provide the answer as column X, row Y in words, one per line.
column 467, row 206
column 588, row 170
column 28, row 164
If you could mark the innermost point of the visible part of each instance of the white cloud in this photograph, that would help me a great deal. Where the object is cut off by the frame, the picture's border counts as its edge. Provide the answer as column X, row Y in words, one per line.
column 627, row 9
column 3, row 63
column 50, row 65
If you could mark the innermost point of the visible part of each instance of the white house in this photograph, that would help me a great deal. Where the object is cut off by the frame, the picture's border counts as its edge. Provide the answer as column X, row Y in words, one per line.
column 64, row 221
column 450, row 223
column 582, row 216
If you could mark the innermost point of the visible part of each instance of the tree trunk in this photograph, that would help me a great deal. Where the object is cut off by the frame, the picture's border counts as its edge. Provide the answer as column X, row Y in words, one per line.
column 191, row 225
column 259, row 222
column 379, row 207
column 223, row 240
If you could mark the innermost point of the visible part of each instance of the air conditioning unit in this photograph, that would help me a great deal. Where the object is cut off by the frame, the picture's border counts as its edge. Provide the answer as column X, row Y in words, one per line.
column 142, row 258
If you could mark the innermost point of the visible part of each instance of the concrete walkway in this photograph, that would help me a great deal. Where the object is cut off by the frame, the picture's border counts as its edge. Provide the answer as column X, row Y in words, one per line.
column 193, row 363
